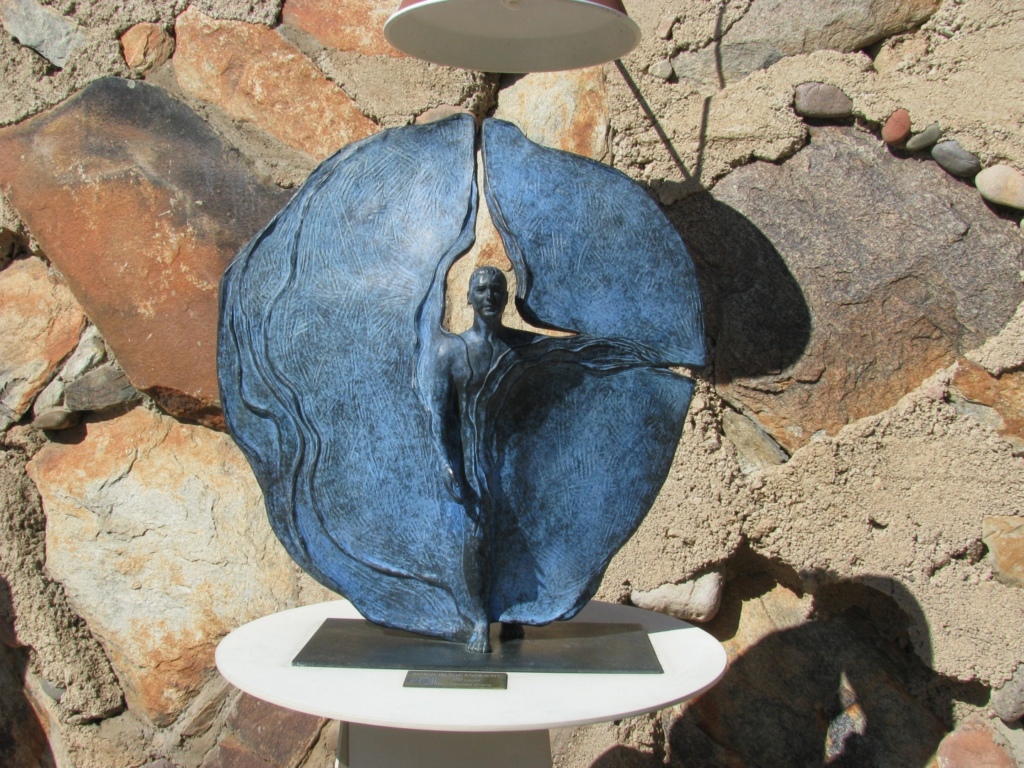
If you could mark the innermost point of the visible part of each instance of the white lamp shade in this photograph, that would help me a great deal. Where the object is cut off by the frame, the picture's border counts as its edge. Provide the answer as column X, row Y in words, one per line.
column 513, row 35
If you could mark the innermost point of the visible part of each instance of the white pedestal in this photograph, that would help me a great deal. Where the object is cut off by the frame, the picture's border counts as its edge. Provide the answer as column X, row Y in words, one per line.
column 370, row 745
column 397, row 727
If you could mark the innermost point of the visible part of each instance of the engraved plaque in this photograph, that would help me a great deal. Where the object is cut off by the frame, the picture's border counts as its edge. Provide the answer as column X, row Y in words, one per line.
column 435, row 679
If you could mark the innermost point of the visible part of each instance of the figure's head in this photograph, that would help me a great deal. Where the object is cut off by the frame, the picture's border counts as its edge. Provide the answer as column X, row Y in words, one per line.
column 488, row 293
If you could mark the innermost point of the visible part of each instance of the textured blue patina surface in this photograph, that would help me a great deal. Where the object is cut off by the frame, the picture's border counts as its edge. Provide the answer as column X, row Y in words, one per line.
column 389, row 478
column 592, row 251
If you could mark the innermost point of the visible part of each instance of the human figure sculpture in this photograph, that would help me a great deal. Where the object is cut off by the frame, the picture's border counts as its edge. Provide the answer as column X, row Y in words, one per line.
column 443, row 482
column 464, row 362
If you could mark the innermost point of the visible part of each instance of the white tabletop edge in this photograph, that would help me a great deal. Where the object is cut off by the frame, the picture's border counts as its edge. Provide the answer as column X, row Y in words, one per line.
column 263, row 669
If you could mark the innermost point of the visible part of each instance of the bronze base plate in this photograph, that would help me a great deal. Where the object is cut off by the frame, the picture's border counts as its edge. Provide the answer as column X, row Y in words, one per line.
column 565, row 647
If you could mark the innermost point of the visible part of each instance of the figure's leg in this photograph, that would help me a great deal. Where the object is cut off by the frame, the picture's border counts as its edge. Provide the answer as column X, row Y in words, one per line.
column 473, row 566
column 480, row 640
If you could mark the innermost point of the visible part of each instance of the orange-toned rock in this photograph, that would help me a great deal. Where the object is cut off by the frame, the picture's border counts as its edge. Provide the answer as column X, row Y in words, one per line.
column 146, row 46
column 1004, row 393
column 1004, row 537
column 158, row 533
column 564, row 110
column 351, row 25
column 972, row 747
column 254, row 75
column 40, row 323
column 141, row 206
column 897, row 127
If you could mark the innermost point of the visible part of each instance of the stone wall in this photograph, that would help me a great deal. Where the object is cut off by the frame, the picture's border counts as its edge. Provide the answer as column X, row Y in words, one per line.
column 845, row 510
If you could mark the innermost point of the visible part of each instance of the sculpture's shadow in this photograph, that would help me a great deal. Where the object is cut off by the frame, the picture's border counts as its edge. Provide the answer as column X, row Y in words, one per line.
column 843, row 688
column 754, row 311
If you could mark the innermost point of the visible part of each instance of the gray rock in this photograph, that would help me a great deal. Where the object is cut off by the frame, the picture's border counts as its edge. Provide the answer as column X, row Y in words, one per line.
column 669, row 192
column 819, row 279
column 925, row 138
column 822, row 101
column 55, row 692
column 697, row 67
column 696, row 600
column 740, row 58
column 955, row 159
column 1008, row 701
column 662, row 69
column 49, row 34
column 49, row 410
column 735, row 60
column 89, row 353
column 772, row 29
column 101, row 388
column 982, row 414
column 755, row 448
column 51, row 397
column 56, row 419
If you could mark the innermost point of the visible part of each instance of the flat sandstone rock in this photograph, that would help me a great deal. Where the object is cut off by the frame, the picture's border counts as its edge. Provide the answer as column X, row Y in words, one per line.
column 158, row 534
column 355, row 25
column 256, row 76
column 40, row 323
column 141, row 206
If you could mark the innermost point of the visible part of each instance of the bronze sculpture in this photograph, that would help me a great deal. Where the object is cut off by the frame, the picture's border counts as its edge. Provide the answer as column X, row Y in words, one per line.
column 443, row 482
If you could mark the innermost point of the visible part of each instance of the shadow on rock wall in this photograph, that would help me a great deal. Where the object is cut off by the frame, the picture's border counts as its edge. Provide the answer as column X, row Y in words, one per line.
column 754, row 310
column 838, row 690
column 838, row 687
column 23, row 741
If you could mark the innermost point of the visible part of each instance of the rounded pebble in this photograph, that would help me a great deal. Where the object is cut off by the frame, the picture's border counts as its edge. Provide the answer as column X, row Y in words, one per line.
column 1002, row 185
column 897, row 128
column 955, row 159
column 925, row 138
column 1008, row 700
column 662, row 69
column 821, row 101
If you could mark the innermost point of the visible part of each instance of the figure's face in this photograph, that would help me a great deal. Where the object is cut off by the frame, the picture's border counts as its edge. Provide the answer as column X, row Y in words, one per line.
column 488, row 293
